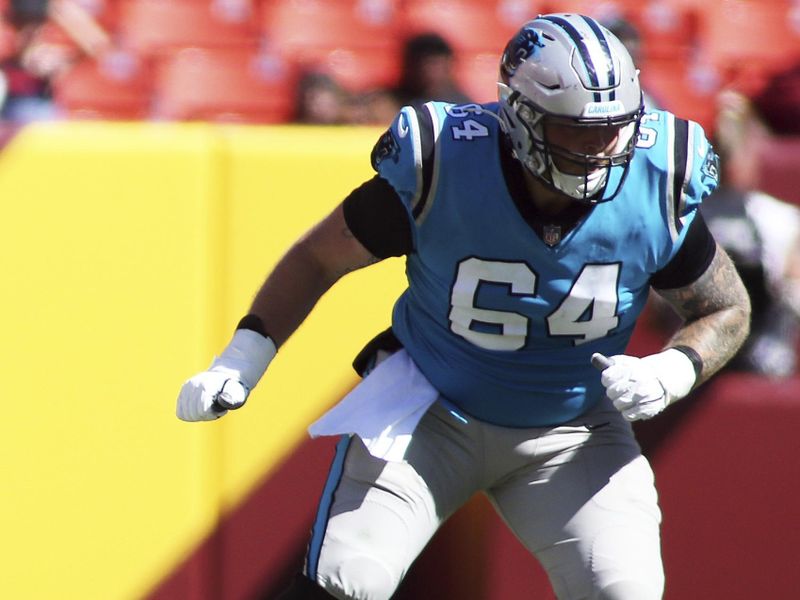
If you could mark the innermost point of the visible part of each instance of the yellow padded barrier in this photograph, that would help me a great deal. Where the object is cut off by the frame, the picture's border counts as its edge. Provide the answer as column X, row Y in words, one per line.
column 281, row 184
column 129, row 251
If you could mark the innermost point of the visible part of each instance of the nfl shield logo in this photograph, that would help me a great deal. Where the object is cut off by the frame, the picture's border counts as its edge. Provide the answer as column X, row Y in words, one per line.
column 551, row 234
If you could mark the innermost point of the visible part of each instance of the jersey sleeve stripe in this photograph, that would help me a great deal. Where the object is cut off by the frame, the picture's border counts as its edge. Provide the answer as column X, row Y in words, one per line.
column 416, row 140
column 670, row 188
column 428, row 136
column 678, row 138
column 687, row 176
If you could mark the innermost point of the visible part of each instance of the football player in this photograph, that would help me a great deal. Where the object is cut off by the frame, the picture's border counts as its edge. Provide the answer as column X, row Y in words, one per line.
column 533, row 230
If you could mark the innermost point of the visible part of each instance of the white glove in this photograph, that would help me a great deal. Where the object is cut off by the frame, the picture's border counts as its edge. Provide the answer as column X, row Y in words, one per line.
column 228, row 381
column 640, row 388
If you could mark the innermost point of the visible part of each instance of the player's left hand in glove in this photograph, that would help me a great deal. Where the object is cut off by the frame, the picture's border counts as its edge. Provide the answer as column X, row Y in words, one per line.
column 640, row 388
column 228, row 381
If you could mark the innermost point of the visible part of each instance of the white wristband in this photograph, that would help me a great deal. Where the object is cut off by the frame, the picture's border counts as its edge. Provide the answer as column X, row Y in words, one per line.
column 246, row 357
column 675, row 372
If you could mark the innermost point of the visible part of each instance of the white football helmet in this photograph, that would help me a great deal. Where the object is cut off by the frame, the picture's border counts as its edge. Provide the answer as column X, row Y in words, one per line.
column 567, row 69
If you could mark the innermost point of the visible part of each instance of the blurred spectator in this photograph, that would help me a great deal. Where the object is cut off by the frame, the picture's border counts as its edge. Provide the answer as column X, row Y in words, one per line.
column 321, row 100
column 375, row 107
column 762, row 236
column 629, row 35
column 778, row 103
column 47, row 38
column 28, row 95
column 427, row 72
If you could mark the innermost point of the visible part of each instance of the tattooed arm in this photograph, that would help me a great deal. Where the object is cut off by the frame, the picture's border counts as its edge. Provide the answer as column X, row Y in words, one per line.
column 716, row 313
column 311, row 266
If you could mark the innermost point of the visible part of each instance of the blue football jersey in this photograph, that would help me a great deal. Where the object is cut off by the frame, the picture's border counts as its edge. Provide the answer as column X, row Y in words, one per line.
column 502, row 323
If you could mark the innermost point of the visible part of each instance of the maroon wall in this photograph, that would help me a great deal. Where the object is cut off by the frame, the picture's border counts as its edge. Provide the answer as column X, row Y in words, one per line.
column 727, row 463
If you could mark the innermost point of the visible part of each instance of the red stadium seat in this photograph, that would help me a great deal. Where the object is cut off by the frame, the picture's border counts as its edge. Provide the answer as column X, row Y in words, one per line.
column 599, row 9
column 468, row 26
column 159, row 26
column 361, row 70
column 686, row 89
column 666, row 29
column 514, row 13
column 306, row 30
column 741, row 34
column 118, row 86
column 477, row 75
column 8, row 40
column 225, row 84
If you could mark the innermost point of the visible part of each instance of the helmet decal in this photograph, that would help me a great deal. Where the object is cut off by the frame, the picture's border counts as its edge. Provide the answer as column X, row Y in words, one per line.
column 524, row 45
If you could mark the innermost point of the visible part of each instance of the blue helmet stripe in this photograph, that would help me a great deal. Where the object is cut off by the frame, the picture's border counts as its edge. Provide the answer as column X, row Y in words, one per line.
column 612, row 76
column 577, row 39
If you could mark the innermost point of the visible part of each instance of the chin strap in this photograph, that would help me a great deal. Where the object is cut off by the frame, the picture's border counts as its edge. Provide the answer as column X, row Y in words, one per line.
column 571, row 185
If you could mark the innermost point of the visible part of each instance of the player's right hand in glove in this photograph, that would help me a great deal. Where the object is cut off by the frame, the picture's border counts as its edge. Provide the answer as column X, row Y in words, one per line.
column 228, row 381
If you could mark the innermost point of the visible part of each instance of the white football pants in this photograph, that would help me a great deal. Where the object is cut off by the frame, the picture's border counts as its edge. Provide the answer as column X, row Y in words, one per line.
column 580, row 497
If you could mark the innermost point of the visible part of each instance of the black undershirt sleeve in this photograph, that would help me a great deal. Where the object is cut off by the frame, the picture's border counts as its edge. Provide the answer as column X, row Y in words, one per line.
column 691, row 260
column 378, row 219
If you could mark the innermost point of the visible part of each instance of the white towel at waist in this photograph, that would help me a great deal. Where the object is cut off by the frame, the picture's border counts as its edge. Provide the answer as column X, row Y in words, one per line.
column 383, row 409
